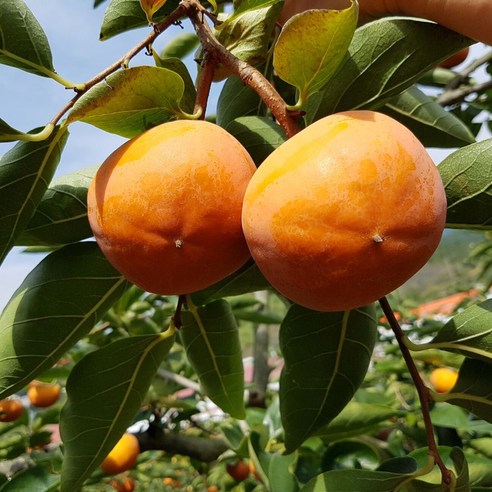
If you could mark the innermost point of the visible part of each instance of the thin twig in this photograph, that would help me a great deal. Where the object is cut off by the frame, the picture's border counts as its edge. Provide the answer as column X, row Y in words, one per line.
column 422, row 390
column 467, row 71
column 170, row 19
column 248, row 74
column 455, row 96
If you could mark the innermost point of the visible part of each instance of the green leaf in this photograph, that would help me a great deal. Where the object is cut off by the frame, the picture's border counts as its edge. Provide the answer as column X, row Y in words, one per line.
column 131, row 101
column 124, row 15
column 453, row 458
column 326, row 358
column 237, row 100
column 34, row 479
column 104, row 393
column 467, row 178
column 260, row 136
column 210, row 337
column 312, row 45
column 245, row 280
column 385, row 57
column 281, row 473
column 25, row 172
column 468, row 333
column 247, row 32
column 180, row 46
column 7, row 133
column 356, row 481
column 56, row 304
column 428, row 120
column 23, row 43
column 355, row 419
column 450, row 416
column 61, row 215
column 177, row 66
column 473, row 390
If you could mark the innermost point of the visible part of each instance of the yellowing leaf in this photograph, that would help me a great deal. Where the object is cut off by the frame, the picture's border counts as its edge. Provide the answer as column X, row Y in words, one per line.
column 312, row 45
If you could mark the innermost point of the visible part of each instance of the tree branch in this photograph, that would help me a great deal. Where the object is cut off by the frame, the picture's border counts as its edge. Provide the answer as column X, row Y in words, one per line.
column 422, row 390
column 248, row 74
column 455, row 96
column 199, row 448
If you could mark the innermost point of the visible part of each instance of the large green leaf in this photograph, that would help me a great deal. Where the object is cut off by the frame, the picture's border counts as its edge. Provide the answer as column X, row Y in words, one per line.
column 61, row 215
column 23, row 43
column 34, row 479
column 7, row 133
column 25, row 172
column 132, row 100
column 176, row 65
column 356, row 419
column 104, row 393
column 124, row 15
column 56, row 304
column 247, row 32
column 385, row 58
column 312, row 45
column 356, row 481
column 210, row 337
column 245, row 280
column 326, row 358
column 428, row 120
column 260, row 136
column 469, row 333
column 454, row 459
column 467, row 178
column 180, row 45
column 237, row 100
column 473, row 390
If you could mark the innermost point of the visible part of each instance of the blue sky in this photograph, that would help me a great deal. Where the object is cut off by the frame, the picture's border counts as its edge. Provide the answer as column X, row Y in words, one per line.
column 28, row 101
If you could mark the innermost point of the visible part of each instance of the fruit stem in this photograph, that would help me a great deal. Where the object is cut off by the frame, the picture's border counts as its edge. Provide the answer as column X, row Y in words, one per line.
column 422, row 391
column 248, row 74
column 177, row 313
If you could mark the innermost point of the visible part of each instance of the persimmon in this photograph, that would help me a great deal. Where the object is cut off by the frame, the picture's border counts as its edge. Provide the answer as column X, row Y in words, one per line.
column 165, row 207
column 345, row 211
column 125, row 485
column 43, row 394
column 443, row 379
column 123, row 456
column 10, row 410
column 455, row 59
column 238, row 470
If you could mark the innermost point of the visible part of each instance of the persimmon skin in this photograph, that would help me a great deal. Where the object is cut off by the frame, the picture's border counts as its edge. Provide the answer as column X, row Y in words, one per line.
column 443, row 379
column 455, row 59
column 123, row 456
column 345, row 211
column 43, row 395
column 10, row 410
column 165, row 207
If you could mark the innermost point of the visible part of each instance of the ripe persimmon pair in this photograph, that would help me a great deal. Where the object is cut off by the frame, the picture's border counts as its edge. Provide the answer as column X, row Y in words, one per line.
column 337, row 217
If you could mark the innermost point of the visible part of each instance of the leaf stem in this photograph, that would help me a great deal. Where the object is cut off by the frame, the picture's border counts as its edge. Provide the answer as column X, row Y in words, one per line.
column 249, row 75
column 422, row 391
column 30, row 137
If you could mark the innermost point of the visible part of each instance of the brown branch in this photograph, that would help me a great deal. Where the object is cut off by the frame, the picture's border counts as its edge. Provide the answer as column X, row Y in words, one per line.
column 422, row 390
column 467, row 71
column 205, row 79
column 199, row 448
column 248, row 74
column 456, row 96
column 171, row 19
